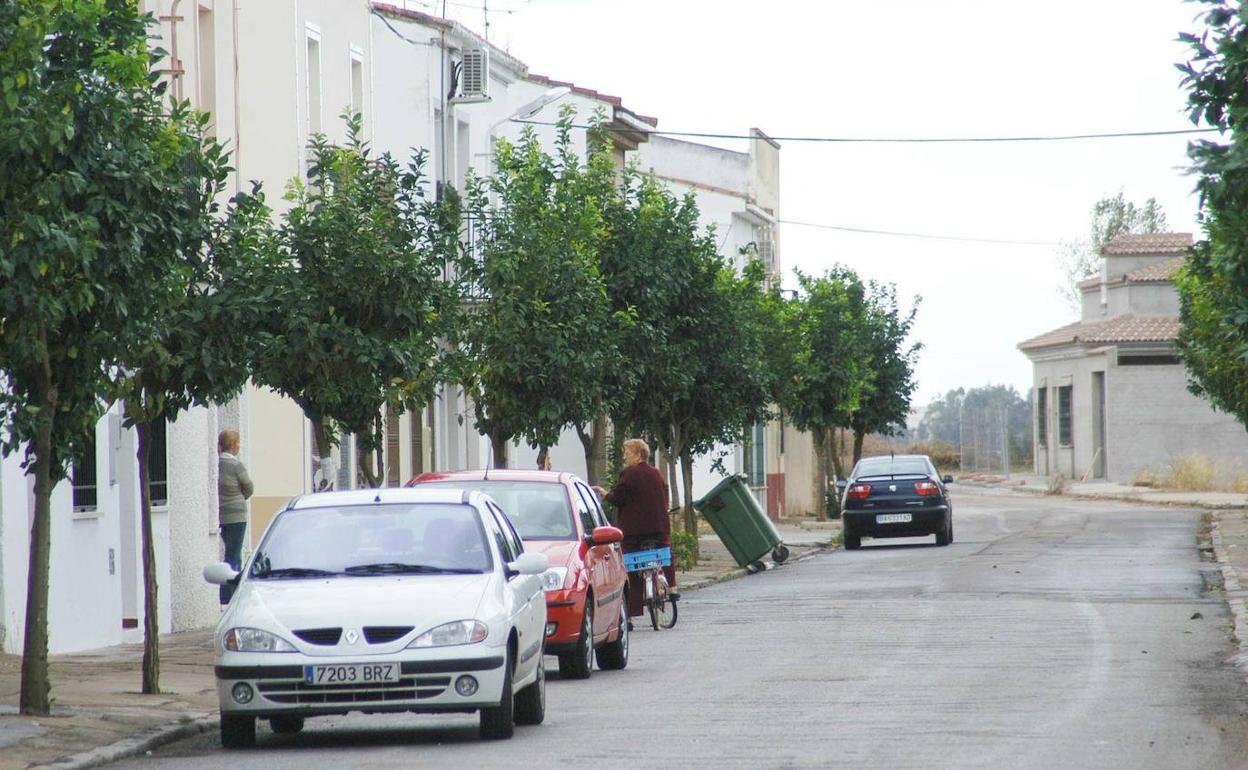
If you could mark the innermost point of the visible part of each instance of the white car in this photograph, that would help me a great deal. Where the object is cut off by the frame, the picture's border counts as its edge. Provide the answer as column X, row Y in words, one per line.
column 383, row 600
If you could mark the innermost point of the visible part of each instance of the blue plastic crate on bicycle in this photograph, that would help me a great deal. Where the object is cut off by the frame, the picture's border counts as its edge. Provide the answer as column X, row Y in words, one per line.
column 639, row 561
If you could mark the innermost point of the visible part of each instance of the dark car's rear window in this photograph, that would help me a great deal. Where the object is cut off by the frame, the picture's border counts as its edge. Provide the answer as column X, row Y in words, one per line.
column 890, row 466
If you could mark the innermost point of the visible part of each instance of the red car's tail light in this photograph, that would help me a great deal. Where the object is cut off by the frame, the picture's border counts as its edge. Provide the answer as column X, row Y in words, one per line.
column 926, row 488
column 858, row 492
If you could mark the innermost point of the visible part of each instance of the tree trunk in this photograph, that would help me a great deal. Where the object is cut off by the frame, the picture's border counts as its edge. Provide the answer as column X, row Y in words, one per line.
column 151, row 624
column 818, row 438
column 587, row 446
column 859, row 435
column 35, row 690
column 835, row 454
column 673, row 484
column 498, row 445
column 543, row 458
column 324, row 453
column 691, row 516
column 597, row 468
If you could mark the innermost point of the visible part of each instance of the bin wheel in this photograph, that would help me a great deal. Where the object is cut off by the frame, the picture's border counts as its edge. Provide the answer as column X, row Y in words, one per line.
column 755, row 566
column 780, row 553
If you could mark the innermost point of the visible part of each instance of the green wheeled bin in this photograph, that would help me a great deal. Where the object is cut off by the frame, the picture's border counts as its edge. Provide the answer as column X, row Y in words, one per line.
column 736, row 517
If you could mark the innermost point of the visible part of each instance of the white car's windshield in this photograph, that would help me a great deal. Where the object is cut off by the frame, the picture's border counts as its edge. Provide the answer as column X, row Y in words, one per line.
column 538, row 510
column 364, row 540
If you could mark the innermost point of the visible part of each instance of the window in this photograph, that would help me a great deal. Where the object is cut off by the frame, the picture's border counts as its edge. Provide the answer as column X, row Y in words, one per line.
column 586, row 512
column 83, row 477
column 357, row 81
column 1148, row 360
column 1064, row 416
column 1042, row 416
column 755, row 455
column 592, row 499
column 314, row 81
column 539, row 510
column 206, row 73
column 514, row 543
column 495, row 525
column 158, row 462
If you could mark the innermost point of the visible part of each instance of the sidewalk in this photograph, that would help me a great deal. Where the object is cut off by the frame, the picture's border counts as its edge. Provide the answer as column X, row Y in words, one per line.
column 1106, row 490
column 99, row 716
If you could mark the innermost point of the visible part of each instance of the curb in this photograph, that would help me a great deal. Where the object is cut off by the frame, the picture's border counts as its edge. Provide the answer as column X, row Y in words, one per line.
column 1231, row 584
column 741, row 572
column 190, row 725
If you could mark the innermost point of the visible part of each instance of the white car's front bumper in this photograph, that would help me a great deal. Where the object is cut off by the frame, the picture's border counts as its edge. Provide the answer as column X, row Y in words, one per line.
column 427, row 682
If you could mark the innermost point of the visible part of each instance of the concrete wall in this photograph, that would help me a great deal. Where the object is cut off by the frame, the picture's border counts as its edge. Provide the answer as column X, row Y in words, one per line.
column 1076, row 370
column 1153, row 419
column 191, row 520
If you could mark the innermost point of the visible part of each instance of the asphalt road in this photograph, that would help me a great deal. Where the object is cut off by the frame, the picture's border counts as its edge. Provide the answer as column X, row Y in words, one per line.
column 1052, row 634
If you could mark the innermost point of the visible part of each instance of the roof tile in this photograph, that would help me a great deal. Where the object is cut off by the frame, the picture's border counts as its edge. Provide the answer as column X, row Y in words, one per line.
column 1148, row 243
column 1123, row 328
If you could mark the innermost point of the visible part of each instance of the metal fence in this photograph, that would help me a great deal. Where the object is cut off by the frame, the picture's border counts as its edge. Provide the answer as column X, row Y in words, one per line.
column 985, row 440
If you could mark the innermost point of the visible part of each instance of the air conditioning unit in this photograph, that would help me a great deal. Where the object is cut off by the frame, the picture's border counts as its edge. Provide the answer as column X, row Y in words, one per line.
column 474, row 76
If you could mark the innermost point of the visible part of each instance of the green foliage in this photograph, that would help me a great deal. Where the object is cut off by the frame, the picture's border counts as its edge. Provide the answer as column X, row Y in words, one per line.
column 357, row 299
column 1214, row 350
column 941, row 422
column 1111, row 216
column 684, row 550
column 885, row 405
column 1213, row 288
column 827, row 375
column 543, row 332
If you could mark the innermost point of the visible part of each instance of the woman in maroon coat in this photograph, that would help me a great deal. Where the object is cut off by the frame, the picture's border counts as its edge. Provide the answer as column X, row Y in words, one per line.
column 640, row 496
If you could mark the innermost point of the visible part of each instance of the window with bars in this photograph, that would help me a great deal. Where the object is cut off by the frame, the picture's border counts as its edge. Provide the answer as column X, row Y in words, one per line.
column 158, row 462
column 755, row 455
column 83, row 478
column 1064, row 421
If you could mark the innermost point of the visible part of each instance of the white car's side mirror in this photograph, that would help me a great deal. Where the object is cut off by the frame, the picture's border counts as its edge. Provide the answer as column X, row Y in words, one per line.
column 219, row 573
column 530, row 564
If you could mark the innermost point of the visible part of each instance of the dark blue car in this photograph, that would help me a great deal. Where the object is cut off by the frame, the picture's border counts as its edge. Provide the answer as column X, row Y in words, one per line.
column 896, row 496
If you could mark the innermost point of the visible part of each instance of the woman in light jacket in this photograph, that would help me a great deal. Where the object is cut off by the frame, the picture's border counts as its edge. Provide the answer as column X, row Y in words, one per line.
column 233, row 488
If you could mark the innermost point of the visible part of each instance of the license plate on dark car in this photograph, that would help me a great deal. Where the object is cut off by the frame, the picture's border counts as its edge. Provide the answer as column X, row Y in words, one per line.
column 893, row 518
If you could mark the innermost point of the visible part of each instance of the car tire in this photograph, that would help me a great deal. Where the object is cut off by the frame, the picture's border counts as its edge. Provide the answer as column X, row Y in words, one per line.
column 498, row 722
column 579, row 663
column 531, row 701
column 613, row 656
column 237, row 732
column 945, row 536
column 286, row 725
column 853, row 542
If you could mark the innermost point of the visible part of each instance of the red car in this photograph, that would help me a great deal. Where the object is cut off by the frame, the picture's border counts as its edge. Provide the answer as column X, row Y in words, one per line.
column 557, row 514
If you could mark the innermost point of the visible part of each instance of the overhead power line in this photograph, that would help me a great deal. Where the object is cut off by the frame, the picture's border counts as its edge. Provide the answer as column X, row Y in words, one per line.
column 906, row 140
column 925, row 236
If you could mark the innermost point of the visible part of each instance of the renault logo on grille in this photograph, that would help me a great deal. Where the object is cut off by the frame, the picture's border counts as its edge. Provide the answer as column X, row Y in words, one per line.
column 352, row 637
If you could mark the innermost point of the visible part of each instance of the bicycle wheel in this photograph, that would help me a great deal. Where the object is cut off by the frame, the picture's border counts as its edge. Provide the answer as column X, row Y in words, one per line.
column 665, row 604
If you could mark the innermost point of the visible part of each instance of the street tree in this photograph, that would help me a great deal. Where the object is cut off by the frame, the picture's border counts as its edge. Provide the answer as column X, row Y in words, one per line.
column 885, row 405
column 1213, row 285
column 653, row 245
column 541, row 332
column 361, row 300
column 194, row 349
column 829, row 373
column 1111, row 216
column 724, row 365
column 91, row 161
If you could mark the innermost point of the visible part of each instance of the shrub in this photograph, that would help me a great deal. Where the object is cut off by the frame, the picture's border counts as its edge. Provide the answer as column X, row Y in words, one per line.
column 1145, row 477
column 1058, row 485
column 1192, row 472
column 684, row 546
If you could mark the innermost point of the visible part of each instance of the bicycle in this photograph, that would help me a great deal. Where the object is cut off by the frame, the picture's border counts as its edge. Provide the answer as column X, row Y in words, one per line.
column 660, row 600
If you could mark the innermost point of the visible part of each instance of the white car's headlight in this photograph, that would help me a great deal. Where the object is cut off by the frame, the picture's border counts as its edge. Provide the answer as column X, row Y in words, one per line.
column 456, row 632
column 552, row 579
column 255, row 640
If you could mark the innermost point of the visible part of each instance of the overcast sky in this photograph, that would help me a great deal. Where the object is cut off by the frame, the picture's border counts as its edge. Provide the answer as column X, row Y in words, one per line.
column 908, row 68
